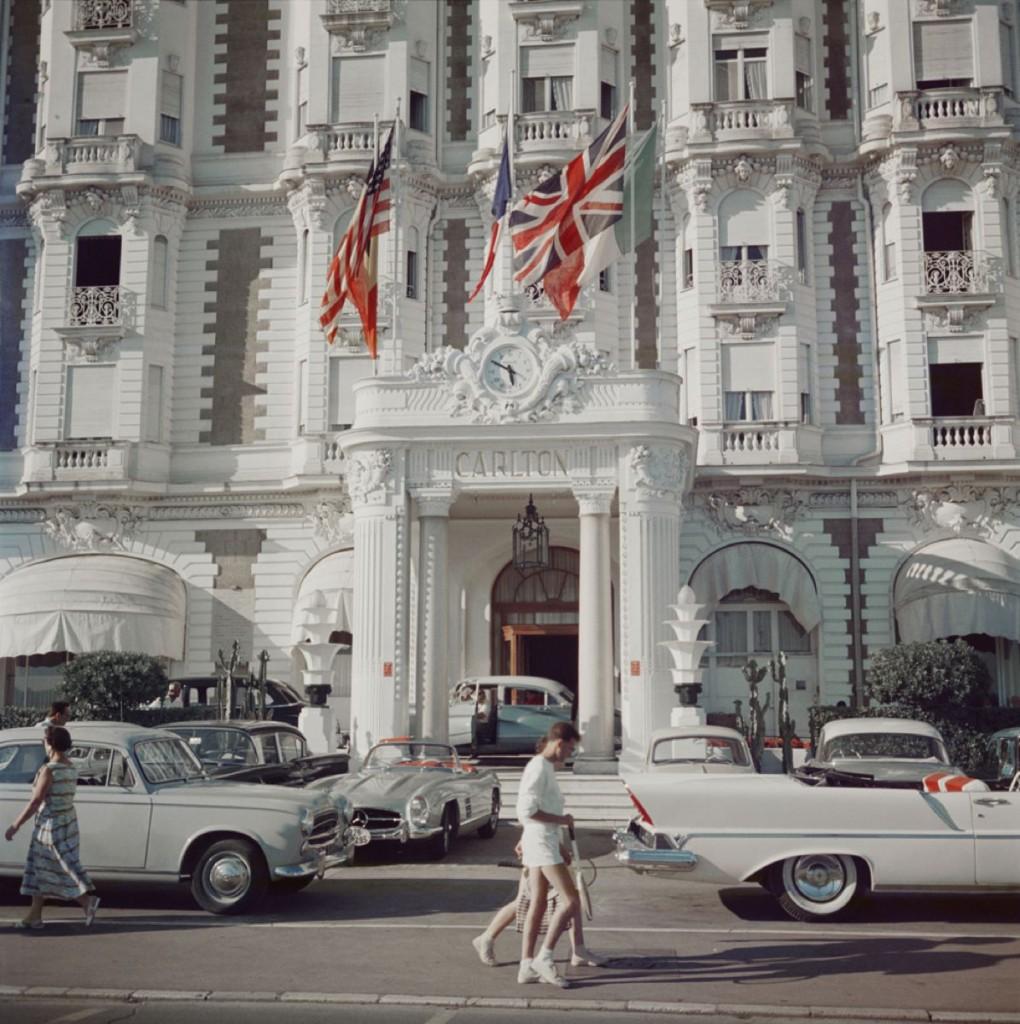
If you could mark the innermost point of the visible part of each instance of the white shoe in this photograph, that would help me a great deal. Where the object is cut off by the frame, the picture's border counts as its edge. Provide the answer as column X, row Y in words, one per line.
column 483, row 947
column 526, row 973
column 544, row 967
column 583, row 957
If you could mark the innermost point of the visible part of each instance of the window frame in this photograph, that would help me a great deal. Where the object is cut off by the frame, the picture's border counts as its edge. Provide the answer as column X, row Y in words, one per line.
column 740, row 48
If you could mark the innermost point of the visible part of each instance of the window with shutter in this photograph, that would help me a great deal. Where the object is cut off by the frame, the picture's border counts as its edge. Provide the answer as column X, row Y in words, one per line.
column 607, row 88
column 301, row 120
column 943, row 54
column 101, row 102
column 877, row 67
column 170, row 108
column 547, row 78
column 1007, row 54
column 89, row 408
column 804, row 74
column 749, row 373
column 358, row 88
column 418, row 97
column 344, row 373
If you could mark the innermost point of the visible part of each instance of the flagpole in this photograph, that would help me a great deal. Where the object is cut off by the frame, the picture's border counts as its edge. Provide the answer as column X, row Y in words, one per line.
column 375, row 162
column 633, row 267
column 510, row 153
column 394, row 224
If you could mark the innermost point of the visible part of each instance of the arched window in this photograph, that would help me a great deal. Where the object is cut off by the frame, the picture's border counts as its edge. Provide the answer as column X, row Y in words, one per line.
column 160, row 267
column 97, row 255
column 947, row 220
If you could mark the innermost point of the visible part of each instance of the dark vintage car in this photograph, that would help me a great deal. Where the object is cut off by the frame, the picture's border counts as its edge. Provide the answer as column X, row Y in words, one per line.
column 283, row 702
column 267, row 752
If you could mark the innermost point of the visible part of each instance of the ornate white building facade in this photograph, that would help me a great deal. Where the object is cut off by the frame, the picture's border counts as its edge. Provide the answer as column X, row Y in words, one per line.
column 802, row 396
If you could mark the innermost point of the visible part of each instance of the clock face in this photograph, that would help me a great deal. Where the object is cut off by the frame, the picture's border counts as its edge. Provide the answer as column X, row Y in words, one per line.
column 508, row 370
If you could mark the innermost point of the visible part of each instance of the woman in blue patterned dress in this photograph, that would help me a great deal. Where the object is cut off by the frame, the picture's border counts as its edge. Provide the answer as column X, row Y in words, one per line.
column 53, row 868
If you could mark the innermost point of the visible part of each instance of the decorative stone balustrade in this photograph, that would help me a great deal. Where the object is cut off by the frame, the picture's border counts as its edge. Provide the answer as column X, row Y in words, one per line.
column 100, row 15
column 96, row 157
column 553, row 134
column 332, row 452
column 750, row 438
column 744, row 119
column 964, row 433
column 953, row 109
column 958, row 272
column 71, row 457
column 753, row 281
column 95, row 306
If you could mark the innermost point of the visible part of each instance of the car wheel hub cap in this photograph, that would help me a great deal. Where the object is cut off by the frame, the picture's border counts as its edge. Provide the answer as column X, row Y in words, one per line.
column 229, row 878
column 819, row 878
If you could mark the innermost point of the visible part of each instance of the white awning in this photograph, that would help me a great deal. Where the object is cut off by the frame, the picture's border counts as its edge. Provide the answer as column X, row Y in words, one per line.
column 763, row 566
column 83, row 603
column 955, row 587
column 333, row 576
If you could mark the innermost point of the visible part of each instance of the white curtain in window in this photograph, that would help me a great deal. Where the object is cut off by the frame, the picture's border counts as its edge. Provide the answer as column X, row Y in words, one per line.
column 756, row 79
column 734, row 406
column 730, row 632
column 563, row 93
column 761, row 625
column 761, row 405
column 101, row 94
column 791, row 637
column 943, row 50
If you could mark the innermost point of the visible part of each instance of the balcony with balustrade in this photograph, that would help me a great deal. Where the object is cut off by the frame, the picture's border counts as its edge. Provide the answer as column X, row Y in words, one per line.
column 741, row 122
column 935, row 115
column 335, row 150
column 749, row 293
column 777, row 442
column 957, row 284
column 102, row 26
column 957, row 439
column 86, row 160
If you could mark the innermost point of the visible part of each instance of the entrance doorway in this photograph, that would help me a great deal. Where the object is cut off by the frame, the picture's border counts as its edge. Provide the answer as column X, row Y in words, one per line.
column 549, row 651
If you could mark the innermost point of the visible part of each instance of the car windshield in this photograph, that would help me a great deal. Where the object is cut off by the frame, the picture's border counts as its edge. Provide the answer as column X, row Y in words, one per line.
column 699, row 750
column 166, row 760
column 410, row 755
column 231, row 747
column 883, row 745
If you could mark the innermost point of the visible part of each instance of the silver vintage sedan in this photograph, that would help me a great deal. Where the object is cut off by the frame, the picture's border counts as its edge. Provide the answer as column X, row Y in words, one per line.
column 421, row 791
column 148, row 812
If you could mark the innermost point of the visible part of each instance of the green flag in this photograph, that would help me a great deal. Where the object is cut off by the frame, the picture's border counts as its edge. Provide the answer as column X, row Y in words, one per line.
column 636, row 223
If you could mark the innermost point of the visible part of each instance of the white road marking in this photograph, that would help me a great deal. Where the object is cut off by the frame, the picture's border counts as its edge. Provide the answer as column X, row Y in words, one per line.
column 739, row 932
column 442, row 1017
column 92, row 1011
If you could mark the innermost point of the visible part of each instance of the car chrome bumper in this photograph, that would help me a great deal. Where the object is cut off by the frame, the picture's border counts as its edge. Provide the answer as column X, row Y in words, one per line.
column 318, row 861
column 632, row 853
column 402, row 833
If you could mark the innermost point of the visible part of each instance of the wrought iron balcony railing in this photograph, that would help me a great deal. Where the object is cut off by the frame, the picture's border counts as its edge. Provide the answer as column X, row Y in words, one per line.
column 101, row 15
column 753, row 281
column 957, row 272
column 96, row 306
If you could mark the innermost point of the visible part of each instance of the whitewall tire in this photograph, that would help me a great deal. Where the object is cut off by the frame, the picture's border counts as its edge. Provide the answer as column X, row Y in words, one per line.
column 816, row 886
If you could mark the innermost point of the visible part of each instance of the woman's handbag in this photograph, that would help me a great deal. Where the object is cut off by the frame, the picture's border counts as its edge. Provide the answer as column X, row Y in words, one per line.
column 524, row 902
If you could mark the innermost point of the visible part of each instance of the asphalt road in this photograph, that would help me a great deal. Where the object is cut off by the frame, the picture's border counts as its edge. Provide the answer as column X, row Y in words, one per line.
column 400, row 927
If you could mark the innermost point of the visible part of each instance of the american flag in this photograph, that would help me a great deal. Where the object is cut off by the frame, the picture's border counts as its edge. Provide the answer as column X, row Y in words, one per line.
column 352, row 273
column 551, row 225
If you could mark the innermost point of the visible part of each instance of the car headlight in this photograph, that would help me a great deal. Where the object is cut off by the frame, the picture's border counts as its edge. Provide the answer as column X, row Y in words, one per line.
column 418, row 811
column 307, row 821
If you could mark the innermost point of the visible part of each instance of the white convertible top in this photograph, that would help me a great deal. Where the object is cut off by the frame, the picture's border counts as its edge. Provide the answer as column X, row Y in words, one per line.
column 856, row 726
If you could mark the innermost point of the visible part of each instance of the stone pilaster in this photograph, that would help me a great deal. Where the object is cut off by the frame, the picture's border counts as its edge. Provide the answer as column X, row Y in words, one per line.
column 379, row 658
column 650, row 519
column 432, row 683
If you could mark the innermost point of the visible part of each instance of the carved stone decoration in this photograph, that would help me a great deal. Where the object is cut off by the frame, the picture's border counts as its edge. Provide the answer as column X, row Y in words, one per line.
column 561, row 370
column 754, row 511
column 747, row 323
column 546, row 20
column 331, row 520
column 91, row 525
column 738, row 14
column 990, row 183
column 954, row 317
column 356, row 25
column 676, row 35
column 369, row 476
column 961, row 509
column 743, row 169
column 936, row 8
column 948, row 157
column 656, row 471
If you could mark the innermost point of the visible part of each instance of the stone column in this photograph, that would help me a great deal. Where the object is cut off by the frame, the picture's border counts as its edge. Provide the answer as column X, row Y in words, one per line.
column 595, row 707
column 650, row 518
column 379, row 656
column 432, row 697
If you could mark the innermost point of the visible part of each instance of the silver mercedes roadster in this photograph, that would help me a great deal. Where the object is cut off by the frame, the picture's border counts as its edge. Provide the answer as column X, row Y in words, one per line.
column 421, row 791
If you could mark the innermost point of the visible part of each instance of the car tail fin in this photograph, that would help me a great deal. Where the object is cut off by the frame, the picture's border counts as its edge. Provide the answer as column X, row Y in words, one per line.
column 641, row 809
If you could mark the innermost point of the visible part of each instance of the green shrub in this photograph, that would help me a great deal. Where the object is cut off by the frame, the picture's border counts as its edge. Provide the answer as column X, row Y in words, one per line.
column 12, row 717
column 109, row 685
column 935, row 674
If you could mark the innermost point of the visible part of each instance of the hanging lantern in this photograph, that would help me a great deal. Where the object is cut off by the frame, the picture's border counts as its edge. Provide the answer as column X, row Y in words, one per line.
column 531, row 539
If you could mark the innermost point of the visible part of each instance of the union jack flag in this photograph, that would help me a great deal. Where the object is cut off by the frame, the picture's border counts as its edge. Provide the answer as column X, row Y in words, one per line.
column 352, row 273
column 551, row 225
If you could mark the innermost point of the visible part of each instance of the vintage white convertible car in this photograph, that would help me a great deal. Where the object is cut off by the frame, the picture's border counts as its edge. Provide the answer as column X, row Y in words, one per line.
column 147, row 812
column 818, row 845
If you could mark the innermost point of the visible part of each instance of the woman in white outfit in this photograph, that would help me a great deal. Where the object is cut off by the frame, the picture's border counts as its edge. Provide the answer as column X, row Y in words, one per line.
column 540, row 811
